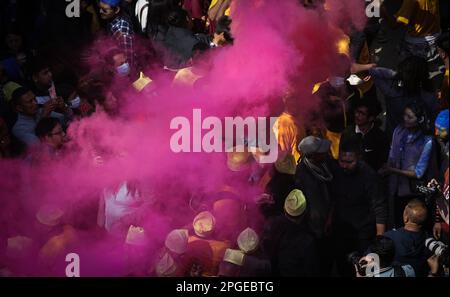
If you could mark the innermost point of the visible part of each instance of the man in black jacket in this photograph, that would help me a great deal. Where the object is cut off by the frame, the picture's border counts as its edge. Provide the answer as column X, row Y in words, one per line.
column 288, row 243
column 359, row 207
column 375, row 143
column 313, row 177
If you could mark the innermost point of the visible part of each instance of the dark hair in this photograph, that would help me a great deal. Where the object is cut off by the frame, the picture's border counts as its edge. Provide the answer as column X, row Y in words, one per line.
column 384, row 247
column 109, row 58
column 412, row 72
column 373, row 106
column 351, row 144
column 178, row 18
column 224, row 26
column 199, row 48
column 17, row 95
column 422, row 118
column 37, row 65
column 158, row 11
column 14, row 30
column 45, row 127
column 176, row 2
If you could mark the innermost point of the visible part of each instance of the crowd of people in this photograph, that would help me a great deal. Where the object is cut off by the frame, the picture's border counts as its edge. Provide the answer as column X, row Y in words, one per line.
column 364, row 173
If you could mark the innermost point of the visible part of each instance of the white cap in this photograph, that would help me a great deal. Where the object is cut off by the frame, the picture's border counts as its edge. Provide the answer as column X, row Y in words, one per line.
column 177, row 241
column 248, row 240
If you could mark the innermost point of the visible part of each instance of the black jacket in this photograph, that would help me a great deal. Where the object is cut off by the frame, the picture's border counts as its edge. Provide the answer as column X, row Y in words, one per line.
column 291, row 248
column 358, row 202
column 178, row 46
column 318, row 200
column 375, row 145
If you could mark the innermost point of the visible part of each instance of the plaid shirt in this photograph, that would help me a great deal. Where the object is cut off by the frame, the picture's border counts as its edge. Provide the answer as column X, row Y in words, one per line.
column 121, row 30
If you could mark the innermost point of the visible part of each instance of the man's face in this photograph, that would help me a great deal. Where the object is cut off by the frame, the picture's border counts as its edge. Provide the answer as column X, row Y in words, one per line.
column 442, row 53
column 28, row 105
column 348, row 161
column 106, row 11
column 57, row 137
column 13, row 42
column 362, row 116
column 44, row 78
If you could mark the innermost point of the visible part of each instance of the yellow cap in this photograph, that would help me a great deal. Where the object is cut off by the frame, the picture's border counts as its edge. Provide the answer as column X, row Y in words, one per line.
column 9, row 88
column 136, row 236
column 141, row 82
column 204, row 224
column 286, row 163
column 295, row 203
column 248, row 240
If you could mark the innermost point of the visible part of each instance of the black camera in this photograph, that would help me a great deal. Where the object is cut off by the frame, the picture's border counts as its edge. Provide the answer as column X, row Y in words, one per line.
column 427, row 192
column 354, row 258
column 438, row 248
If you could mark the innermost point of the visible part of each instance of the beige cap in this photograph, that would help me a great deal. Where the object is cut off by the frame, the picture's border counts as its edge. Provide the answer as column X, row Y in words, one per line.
column 49, row 215
column 248, row 240
column 166, row 266
column 295, row 203
column 286, row 163
column 234, row 256
column 204, row 224
column 18, row 246
column 177, row 241
column 136, row 236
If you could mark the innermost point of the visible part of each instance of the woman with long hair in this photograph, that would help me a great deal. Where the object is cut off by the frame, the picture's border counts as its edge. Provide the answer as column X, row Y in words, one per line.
column 409, row 159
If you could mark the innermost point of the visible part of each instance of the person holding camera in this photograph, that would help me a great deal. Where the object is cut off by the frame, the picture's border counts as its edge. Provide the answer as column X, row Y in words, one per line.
column 360, row 211
column 288, row 241
column 438, row 263
column 440, row 228
column 410, row 240
column 381, row 261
